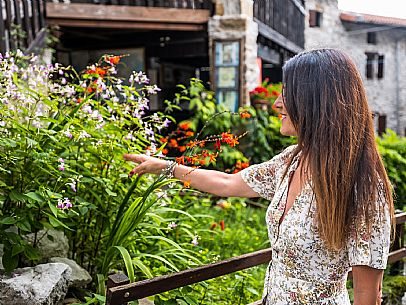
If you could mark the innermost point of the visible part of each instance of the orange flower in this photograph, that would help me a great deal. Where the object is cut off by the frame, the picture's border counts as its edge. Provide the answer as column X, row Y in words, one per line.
column 180, row 160
column 182, row 148
column 165, row 151
column 245, row 115
column 245, row 164
column 100, row 71
column 184, row 125
column 202, row 143
column 213, row 226
column 79, row 100
column 164, row 139
column 202, row 162
column 189, row 133
column 186, row 184
column 280, row 116
column 205, row 153
column 213, row 157
column 114, row 60
column 233, row 142
column 192, row 144
column 275, row 93
column 222, row 226
column 173, row 143
column 90, row 90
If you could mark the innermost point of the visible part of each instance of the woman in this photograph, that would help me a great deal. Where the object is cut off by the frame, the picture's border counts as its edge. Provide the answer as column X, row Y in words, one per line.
column 330, row 199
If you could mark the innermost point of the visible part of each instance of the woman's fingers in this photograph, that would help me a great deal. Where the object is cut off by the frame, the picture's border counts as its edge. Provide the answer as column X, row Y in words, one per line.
column 134, row 158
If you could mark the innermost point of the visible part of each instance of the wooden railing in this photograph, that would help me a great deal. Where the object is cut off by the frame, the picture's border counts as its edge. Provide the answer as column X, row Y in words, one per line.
column 191, row 4
column 283, row 17
column 120, row 290
column 22, row 24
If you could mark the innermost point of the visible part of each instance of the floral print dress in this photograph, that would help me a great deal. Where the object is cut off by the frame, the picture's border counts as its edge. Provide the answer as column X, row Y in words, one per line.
column 302, row 270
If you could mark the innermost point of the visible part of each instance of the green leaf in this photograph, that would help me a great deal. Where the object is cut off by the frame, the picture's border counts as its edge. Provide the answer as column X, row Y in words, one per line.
column 8, row 220
column 128, row 263
column 17, row 196
column 111, row 193
column 101, row 286
column 17, row 249
column 190, row 300
column 31, row 253
column 10, row 262
column 138, row 263
column 34, row 196
column 24, row 225
column 53, row 208
column 56, row 222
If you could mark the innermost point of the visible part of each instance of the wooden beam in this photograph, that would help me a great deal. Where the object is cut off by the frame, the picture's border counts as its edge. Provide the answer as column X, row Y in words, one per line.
column 120, row 13
column 122, row 294
column 109, row 24
column 400, row 217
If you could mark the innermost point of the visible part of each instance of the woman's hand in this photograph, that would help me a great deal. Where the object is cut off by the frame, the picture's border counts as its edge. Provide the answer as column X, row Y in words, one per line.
column 146, row 164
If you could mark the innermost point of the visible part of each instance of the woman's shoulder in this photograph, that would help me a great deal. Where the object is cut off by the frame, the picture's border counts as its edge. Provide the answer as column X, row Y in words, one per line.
column 285, row 154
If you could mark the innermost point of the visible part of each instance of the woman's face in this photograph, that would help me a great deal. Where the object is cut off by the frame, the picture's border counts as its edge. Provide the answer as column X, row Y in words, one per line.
column 287, row 128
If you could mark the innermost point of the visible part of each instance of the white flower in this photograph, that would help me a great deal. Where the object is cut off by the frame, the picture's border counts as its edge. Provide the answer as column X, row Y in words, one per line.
column 83, row 134
column 195, row 241
column 172, row 225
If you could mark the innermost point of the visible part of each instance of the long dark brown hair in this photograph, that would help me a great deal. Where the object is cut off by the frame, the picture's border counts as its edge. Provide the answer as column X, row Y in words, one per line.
column 326, row 101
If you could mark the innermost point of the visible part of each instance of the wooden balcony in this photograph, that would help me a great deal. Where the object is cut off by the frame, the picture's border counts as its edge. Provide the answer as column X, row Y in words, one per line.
column 184, row 15
column 22, row 24
column 281, row 21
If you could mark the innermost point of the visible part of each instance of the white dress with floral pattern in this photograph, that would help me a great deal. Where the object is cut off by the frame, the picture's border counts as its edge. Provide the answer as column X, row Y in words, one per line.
column 302, row 269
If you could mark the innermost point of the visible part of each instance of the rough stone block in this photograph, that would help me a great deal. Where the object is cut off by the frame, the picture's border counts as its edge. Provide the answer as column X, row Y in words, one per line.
column 44, row 284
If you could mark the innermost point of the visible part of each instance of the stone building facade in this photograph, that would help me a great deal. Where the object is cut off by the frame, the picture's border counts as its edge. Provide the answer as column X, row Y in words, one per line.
column 378, row 47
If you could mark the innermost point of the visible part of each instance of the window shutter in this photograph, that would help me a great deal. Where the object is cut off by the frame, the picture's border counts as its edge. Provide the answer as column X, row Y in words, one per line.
column 370, row 65
column 312, row 18
column 381, row 60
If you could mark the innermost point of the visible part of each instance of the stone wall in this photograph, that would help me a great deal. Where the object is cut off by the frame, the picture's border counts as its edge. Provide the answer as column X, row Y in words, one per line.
column 234, row 20
column 386, row 96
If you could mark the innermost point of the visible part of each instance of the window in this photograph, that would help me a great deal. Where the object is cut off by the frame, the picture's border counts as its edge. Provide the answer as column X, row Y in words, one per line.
column 375, row 62
column 370, row 65
column 381, row 124
column 315, row 18
column 371, row 37
column 227, row 73
column 381, row 60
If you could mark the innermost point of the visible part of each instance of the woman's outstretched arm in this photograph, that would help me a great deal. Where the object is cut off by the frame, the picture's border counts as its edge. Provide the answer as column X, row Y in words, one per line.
column 209, row 181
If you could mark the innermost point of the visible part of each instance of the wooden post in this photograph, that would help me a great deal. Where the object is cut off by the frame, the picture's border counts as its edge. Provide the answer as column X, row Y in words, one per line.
column 115, row 280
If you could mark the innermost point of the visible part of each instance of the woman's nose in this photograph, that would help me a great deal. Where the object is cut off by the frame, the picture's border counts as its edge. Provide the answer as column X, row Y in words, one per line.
column 277, row 106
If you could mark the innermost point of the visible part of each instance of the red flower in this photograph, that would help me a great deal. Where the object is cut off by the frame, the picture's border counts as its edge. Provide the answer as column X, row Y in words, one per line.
column 222, row 226
column 213, row 226
column 217, row 145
